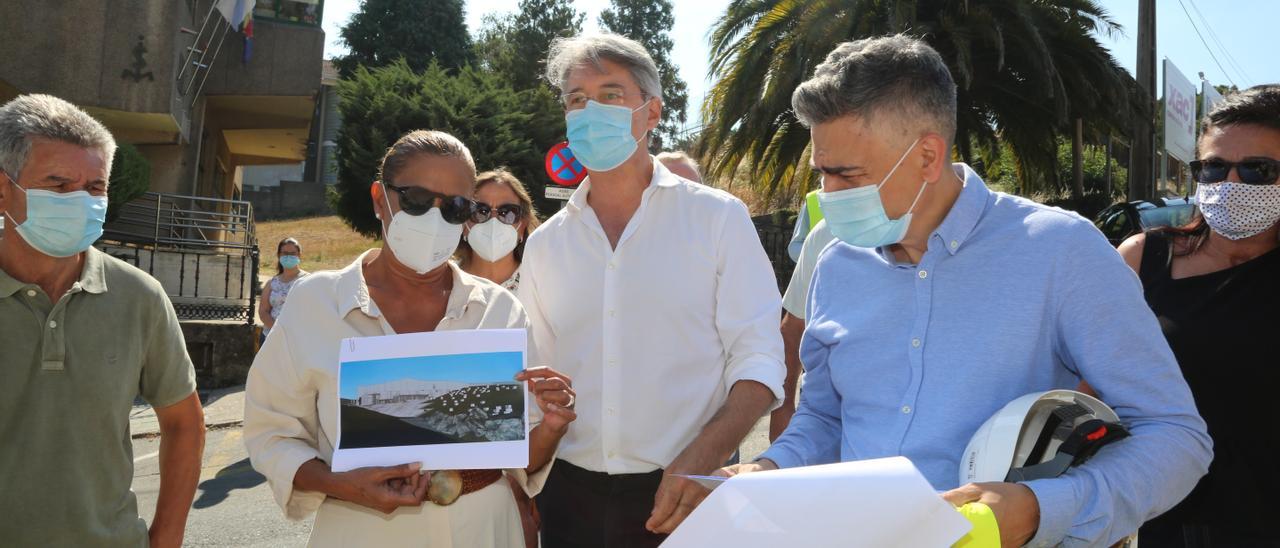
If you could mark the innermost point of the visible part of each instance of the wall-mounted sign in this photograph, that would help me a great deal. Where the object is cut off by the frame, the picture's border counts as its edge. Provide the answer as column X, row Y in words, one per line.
column 559, row 192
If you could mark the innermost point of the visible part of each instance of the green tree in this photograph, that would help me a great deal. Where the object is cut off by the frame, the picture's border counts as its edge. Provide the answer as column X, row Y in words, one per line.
column 501, row 126
column 516, row 44
column 649, row 22
column 1024, row 71
column 419, row 31
column 130, row 178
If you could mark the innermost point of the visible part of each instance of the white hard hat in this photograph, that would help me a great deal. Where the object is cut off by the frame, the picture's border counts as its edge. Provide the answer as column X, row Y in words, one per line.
column 1039, row 435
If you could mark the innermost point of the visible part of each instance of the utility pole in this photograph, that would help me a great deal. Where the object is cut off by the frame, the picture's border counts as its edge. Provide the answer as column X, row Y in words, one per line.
column 1142, row 166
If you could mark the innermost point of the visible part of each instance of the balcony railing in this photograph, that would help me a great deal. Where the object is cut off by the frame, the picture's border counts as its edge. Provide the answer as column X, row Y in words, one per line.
column 204, row 251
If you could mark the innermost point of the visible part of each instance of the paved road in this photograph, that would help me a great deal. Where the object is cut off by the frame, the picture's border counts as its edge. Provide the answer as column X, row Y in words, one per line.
column 234, row 506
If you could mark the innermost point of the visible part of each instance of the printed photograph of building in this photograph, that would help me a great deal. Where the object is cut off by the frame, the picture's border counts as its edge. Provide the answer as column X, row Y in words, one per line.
column 431, row 400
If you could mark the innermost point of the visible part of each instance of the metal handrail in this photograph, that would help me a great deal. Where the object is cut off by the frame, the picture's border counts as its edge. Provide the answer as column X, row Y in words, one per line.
column 168, row 223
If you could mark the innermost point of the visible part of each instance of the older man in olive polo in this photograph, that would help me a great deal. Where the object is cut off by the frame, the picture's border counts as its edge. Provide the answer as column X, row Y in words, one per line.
column 81, row 336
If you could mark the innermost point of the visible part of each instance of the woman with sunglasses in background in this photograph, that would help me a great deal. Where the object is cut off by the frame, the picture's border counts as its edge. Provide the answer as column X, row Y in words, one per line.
column 1215, row 287
column 493, row 242
column 422, row 198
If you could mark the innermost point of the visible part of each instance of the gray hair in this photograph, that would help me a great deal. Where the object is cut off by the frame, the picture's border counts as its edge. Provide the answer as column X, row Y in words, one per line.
column 567, row 54
column 896, row 75
column 29, row 116
column 677, row 155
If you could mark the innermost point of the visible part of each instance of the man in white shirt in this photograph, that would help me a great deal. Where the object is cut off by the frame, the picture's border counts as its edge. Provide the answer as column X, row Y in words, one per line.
column 655, row 295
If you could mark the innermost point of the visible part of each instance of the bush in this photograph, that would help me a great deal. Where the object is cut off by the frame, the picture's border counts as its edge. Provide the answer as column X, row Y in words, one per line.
column 130, row 178
column 501, row 127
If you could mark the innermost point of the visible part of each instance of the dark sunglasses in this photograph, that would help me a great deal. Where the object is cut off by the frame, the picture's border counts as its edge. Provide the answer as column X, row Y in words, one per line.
column 1257, row 171
column 416, row 201
column 507, row 214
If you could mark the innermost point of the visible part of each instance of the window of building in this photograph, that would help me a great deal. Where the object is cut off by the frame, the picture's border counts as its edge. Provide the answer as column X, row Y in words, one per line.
column 303, row 12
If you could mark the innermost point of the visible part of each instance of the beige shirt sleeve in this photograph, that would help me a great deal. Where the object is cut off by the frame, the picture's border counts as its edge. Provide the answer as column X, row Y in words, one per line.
column 281, row 424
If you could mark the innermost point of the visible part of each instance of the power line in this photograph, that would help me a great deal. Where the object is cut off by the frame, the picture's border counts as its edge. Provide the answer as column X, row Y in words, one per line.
column 1206, row 44
column 1218, row 41
column 1226, row 52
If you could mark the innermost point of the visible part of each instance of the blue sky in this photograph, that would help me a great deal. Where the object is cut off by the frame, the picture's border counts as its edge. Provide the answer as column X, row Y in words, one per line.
column 470, row 368
column 1245, row 28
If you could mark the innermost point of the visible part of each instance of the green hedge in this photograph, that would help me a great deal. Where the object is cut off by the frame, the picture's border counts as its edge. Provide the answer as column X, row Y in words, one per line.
column 130, row 178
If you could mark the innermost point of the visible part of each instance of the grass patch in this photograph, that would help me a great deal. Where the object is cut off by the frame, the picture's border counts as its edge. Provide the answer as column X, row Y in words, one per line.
column 327, row 243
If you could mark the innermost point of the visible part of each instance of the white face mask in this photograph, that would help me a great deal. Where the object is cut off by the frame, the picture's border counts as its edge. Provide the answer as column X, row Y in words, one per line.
column 493, row 239
column 1238, row 211
column 421, row 242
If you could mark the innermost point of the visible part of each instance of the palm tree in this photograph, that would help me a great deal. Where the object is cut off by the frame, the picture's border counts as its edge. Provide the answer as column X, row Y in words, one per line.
column 1025, row 70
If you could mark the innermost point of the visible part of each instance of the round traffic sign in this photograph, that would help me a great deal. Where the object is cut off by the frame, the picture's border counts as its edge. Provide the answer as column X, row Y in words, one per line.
column 562, row 167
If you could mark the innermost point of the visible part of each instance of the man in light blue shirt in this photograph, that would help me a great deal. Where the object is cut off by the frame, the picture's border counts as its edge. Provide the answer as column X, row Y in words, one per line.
column 942, row 301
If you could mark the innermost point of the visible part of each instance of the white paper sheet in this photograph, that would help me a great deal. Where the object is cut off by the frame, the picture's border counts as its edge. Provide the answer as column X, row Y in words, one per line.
column 446, row 399
column 874, row 503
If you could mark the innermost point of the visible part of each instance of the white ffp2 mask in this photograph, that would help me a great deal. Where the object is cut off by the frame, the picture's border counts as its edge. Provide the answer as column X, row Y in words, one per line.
column 493, row 239
column 422, row 242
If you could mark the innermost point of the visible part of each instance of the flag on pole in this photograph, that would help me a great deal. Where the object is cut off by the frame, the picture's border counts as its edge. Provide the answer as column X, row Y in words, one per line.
column 239, row 14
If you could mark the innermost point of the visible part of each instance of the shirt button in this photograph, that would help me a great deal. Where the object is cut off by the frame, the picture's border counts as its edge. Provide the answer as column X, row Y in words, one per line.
column 924, row 274
column 906, row 410
column 611, row 266
column 915, row 343
column 612, row 313
column 954, row 244
column 613, row 454
column 53, row 324
column 611, row 411
column 31, row 292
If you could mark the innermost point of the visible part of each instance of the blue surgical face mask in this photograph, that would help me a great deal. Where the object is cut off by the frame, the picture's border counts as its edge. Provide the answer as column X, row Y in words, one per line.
column 600, row 135
column 856, row 216
column 61, row 224
column 290, row 261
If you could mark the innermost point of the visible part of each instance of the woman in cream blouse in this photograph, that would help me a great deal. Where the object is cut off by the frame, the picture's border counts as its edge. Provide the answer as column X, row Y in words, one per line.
column 409, row 285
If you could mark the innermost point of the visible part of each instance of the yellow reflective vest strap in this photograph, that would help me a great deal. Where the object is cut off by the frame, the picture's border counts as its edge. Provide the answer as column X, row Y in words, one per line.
column 812, row 206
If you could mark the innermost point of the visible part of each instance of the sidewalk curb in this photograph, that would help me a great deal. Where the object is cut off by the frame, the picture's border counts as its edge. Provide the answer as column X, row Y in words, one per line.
column 207, row 427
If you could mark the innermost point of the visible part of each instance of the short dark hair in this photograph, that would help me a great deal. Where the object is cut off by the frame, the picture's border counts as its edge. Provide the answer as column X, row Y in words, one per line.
column 1258, row 105
column 898, row 74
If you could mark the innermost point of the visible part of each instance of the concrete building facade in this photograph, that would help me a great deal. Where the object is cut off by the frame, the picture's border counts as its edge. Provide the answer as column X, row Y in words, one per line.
column 127, row 62
column 172, row 78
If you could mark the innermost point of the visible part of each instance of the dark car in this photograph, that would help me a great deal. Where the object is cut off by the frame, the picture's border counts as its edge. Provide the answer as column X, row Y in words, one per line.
column 1125, row 219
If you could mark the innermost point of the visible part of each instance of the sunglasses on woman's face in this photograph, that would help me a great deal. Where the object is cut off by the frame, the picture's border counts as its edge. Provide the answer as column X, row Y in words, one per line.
column 416, row 201
column 507, row 214
column 1254, row 171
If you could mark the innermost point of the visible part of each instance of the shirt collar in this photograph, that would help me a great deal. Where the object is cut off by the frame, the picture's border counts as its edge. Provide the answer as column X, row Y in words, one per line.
column 965, row 212
column 93, row 279
column 466, row 291
column 353, row 292
column 662, row 177
column 93, row 276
